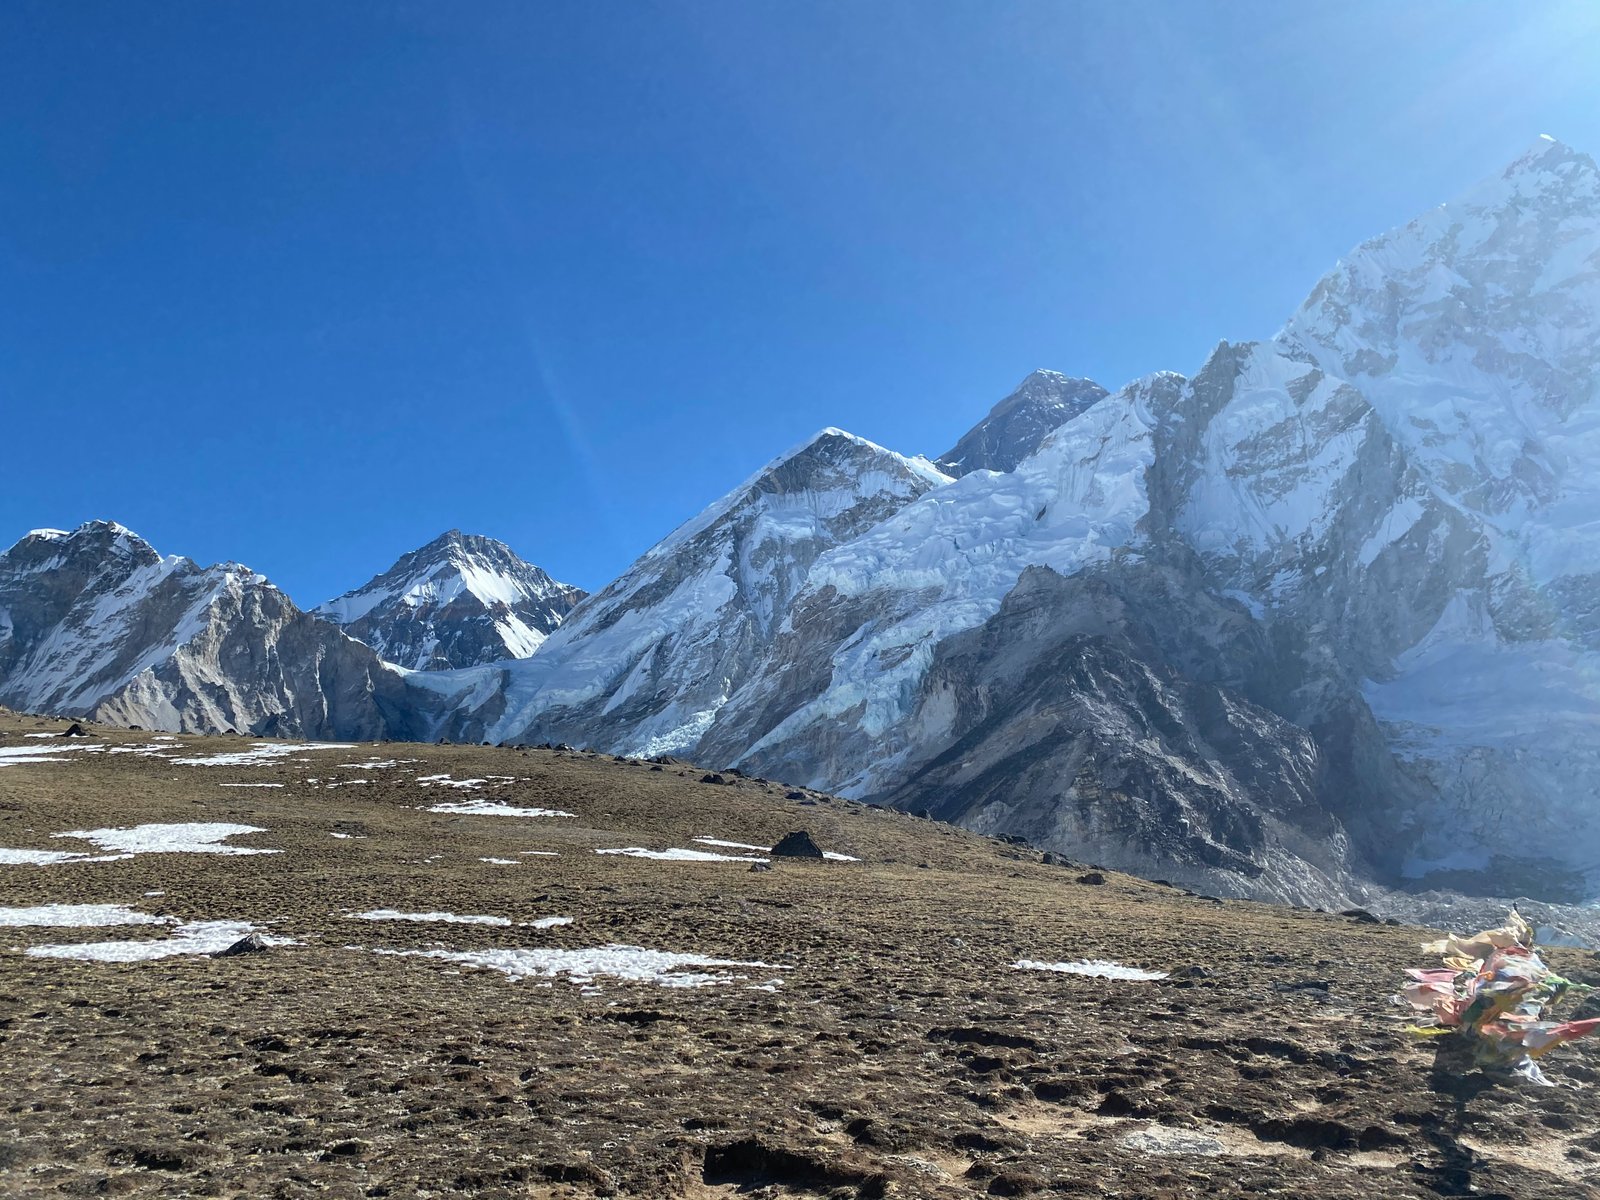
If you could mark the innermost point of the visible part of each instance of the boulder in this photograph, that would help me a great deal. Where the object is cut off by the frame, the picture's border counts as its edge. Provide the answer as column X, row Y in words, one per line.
column 250, row 943
column 797, row 845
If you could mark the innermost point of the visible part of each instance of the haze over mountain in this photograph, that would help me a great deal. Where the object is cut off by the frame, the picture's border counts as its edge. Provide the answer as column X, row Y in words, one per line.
column 1322, row 613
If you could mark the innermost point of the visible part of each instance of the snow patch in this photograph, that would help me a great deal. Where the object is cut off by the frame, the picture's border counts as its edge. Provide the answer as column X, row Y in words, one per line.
column 632, row 964
column 78, row 916
column 676, row 855
column 389, row 914
column 189, row 837
column 1098, row 968
column 201, row 937
column 489, row 808
column 259, row 753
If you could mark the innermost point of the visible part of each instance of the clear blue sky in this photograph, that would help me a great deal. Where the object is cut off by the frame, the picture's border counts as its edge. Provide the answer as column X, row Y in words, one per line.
column 305, row 284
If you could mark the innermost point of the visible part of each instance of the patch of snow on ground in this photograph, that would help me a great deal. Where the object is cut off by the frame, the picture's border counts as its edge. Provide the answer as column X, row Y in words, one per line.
column 709, row 841
column 502, row 862
column 1099, row 968
column 11, row 756
column 389, row 914
column 446, row 781
column 634, row 964
column 45, row 858
column 201, row 937
column 488, row 808
column 189, row 837
column 249, row 785
column 546, row 922
column 676, row 855
column 541, row 853
column 259, row 753
column 78, row 916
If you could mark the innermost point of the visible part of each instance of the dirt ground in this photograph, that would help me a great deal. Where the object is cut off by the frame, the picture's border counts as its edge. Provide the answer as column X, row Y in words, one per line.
column 885, row 1045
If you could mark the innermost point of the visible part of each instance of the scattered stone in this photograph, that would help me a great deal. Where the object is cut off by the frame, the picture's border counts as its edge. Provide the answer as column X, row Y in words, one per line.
column 75, row 730
column 1361, row 915
column 712, row 777
column 251, row 943
column 794, row 795
column 796, row 845
column 760, row 866
column 1092, row 877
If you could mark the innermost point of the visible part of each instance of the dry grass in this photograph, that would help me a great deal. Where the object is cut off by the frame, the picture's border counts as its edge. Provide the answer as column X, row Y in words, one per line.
column 900, row 1056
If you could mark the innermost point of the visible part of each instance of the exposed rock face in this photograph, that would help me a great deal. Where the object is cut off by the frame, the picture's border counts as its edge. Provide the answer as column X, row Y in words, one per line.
column 1019, row 424
column 459, row 601
column 96, row 623
column 1063, row 719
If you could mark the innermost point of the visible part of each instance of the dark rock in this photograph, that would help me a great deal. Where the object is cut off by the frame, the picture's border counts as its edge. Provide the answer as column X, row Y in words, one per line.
column 761, row 866
column 1361, row 915
column 251, row 943
column 75, row 730
column 712, row 777
column 1091, row 877
column 800, row 796
column 797, row 845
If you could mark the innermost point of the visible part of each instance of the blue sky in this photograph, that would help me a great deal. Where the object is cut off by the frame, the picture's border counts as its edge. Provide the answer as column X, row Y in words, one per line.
column 304, row 285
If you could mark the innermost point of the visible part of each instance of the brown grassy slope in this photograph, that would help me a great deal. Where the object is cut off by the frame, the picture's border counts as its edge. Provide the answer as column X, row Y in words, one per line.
column 901, row 1055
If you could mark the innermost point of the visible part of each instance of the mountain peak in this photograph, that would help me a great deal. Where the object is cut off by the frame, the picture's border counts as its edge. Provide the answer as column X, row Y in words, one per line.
column 1019, row 424
column 461, row 600
column 92, row 538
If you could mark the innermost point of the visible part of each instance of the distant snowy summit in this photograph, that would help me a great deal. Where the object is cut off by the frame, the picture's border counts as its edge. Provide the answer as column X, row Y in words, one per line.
column 1019, row 424
column 460, row 601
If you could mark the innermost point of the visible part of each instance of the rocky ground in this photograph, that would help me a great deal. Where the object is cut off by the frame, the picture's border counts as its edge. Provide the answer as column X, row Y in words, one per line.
column 866, row 1035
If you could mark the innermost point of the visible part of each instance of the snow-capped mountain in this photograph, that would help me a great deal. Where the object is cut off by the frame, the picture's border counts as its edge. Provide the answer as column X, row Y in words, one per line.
column 646, row 663
column 96, row 623
column 1019, row 424
column 1372, row 531
column 1325, row 612
column 459, row 601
